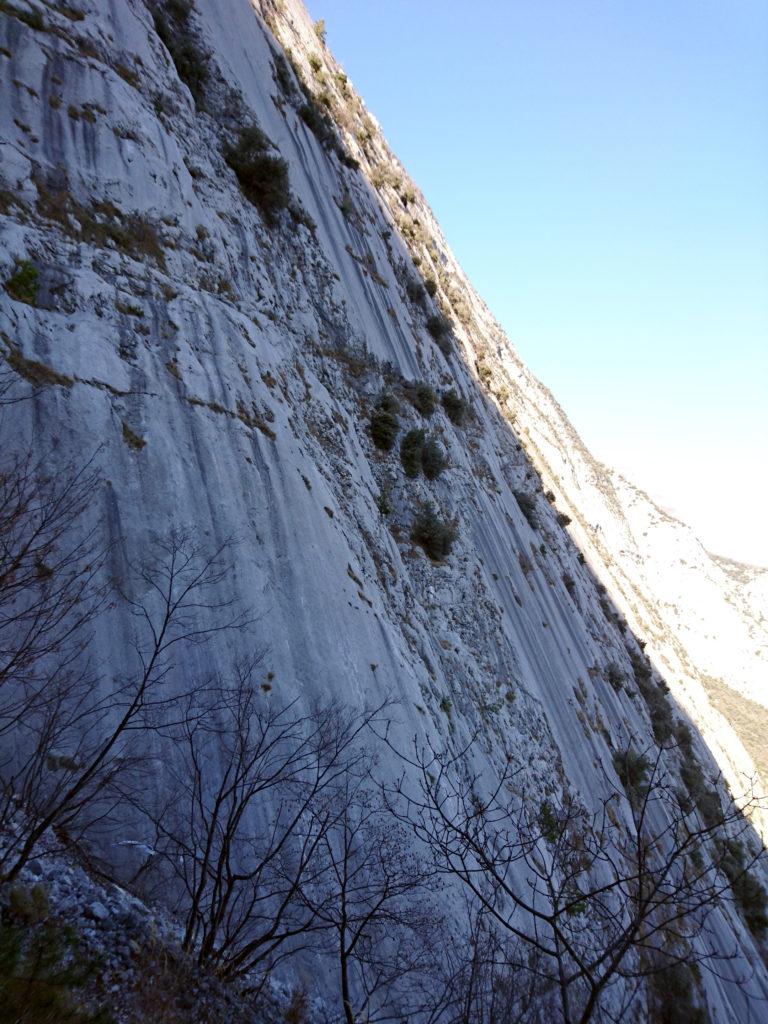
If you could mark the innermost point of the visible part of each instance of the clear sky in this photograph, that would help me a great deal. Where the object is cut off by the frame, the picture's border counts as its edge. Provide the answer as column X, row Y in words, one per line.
column 600, row 170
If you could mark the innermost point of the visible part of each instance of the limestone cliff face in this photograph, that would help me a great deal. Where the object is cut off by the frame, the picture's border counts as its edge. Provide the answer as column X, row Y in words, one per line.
column 223, row 366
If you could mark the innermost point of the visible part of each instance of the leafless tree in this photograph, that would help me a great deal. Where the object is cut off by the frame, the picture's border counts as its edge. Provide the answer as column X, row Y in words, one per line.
column 598, row 900
column 371, row 893
column 489, row 977
column 49, row 567
column 249, row 802
column 78, row 735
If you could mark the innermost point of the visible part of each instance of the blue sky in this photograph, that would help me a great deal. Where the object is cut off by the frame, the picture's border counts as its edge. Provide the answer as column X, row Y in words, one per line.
column 601, row 171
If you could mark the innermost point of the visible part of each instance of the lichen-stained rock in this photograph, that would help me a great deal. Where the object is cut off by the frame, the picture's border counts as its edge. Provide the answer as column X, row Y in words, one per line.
column 221, row 362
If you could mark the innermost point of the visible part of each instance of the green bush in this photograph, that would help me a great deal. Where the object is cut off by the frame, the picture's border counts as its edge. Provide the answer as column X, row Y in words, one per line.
column 191, row 62
column 347, row 159
column 437, row 326
column 423, row 398
column 640, row 666
column 434, row 535
column 383, row 504
column 662, row 720
column 527, row 505
column 433, row 460
column 684, row 738
column 415, row 291
column 671, row 993
column 548, row 822
column 318, row 122
column 563, row 519
column 749, row 894
column 283, row 75
column 411, row 448
column 388, row 403
column 22, row 286
column 751, row 899
column 384, row 423
column 41, row 969
column 455, row 407
column 430, row 285
column 262, row 176
column 632, row 769
column 615, row 677
column 706, row 800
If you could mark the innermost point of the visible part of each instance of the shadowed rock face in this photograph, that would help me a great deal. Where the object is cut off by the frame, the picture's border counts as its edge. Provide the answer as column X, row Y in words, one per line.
column 222, row 363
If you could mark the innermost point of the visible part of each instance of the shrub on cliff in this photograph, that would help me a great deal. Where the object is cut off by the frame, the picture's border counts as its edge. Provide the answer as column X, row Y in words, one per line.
column 455, row 407
column 190, row 60
column 384, row 423
column 422, row 398
column 433, row 534
column 262, row 176
column 433, row 460
column 22, row 285
column 615, row 677
column 411, row 448
column 632, row 769
column 527, row 505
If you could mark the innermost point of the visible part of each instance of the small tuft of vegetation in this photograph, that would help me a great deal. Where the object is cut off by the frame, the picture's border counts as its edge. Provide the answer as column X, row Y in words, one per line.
column 415, row 291
column 37, row 374
column 433, row 460
column 262, row 176
column 527, row 505
column 749, row 894
column 455, row 407
column 671, row 993
column 484, row 371
column 411, row 449
column 347, row 159
column 318, row 122
column 384, row 423
column 437, row 326
column 33, row 18
column 22, row 285
column 563, row 519
column 684, row 738
column 320, row 30
column 383, row 503
column 99, row 223
column 422, row 397
column 283, row 77
column 433, row 534
column 548, row 822
column 420, row 454
column 704, row 797
column 191, row 62
column 641, row 667
column 632, row 769
column 388, row 402
column 430, row 285
column 42, row 968
column 132, row 439
column 655, row 697
column 615, row 677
